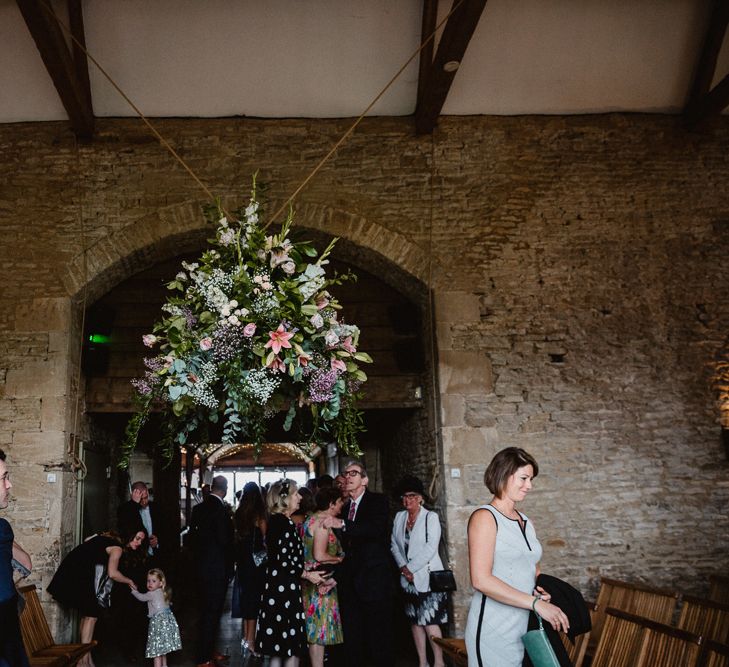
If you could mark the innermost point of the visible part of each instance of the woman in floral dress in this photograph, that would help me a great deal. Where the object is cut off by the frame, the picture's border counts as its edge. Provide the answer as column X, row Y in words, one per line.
column 280, row 632
column 322, row 552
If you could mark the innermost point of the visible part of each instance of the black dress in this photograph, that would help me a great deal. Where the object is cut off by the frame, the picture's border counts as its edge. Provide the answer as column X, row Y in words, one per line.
column 280, row 630
column 73, row 583
column 250, row 578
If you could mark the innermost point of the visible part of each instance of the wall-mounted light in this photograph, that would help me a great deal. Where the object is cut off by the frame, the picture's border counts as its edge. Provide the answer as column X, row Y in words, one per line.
column 451, row 66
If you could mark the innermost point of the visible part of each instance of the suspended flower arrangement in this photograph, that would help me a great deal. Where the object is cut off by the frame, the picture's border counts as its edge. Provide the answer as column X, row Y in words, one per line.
column 250, row 332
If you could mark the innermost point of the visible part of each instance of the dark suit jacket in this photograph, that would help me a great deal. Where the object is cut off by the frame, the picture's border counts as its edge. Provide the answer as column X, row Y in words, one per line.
column 129, row 519
column 367, row 566
column 211, row 527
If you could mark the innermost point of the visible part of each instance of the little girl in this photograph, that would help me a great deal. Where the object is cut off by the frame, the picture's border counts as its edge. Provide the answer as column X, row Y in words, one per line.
column 163, row 635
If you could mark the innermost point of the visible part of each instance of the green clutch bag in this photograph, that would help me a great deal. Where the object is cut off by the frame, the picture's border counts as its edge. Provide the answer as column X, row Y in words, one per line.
column 538, row 647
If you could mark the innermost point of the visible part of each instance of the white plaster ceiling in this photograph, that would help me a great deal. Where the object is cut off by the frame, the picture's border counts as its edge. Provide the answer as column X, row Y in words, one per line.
column 329, row 58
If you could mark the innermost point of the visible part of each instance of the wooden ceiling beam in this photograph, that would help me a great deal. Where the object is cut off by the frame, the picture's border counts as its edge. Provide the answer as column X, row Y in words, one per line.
column 702, row 100
column 435, row 83
column 66, row 70
column 430, row 19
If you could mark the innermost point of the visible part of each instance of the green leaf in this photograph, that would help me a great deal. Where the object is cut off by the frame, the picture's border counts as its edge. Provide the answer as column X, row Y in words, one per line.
column 363, row 356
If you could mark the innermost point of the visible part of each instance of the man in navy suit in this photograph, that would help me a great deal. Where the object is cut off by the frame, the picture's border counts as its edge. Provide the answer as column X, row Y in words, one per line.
column 211, row 526
column 365, row 583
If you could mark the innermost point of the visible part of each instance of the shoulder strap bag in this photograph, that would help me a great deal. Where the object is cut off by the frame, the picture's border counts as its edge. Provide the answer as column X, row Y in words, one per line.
column 441, row 581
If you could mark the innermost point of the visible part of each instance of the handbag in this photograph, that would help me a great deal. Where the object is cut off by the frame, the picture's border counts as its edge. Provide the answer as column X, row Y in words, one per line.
column 440, row 581
column 260, row 556
column 537, row 645
column 102, row 586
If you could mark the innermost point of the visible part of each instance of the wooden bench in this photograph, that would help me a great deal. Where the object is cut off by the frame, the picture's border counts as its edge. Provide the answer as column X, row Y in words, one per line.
column 454, row 648
column 628, row 640
column 652, row 603
column 719, row 589
column 713, row 654
column 705, row 617
column 39, row 645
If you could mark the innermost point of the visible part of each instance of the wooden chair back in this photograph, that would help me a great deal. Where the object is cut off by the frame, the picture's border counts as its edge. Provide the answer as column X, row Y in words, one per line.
column 705, row 617
column 632, row 641
column 719, row 589
column 39, row 645
column 652, row 603
column 33, row 625
column 713, row 654
column 578, row 650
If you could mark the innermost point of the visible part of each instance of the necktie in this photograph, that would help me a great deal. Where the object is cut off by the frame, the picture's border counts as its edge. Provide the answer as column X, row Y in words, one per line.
column 352, row 510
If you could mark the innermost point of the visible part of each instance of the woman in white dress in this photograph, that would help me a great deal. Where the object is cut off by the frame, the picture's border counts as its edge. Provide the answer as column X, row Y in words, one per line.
column 504, row 558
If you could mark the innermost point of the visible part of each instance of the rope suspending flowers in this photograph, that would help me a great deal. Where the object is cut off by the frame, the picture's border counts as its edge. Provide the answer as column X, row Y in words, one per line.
column 251, row 331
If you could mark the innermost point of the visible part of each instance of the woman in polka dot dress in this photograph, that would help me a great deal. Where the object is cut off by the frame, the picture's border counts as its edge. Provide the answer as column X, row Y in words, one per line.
column 280, row 632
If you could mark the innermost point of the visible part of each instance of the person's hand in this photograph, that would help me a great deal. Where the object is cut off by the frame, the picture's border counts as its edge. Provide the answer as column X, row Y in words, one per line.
column 137, row 495
column 326, row 586
column 332, row 522
column 132, row 585
column 314, row 577
column 539, row 592
column 553, row 615
column 153, row 541
column 407, row 573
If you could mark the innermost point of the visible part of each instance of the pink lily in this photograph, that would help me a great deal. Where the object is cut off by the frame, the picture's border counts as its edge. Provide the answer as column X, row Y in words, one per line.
column 347, row 345
column 277, row 365
column 338, row 365
column 303, row 359
column 279, row 339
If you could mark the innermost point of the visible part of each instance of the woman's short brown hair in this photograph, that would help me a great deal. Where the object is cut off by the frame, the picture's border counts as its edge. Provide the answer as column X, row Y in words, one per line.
column 504, row 465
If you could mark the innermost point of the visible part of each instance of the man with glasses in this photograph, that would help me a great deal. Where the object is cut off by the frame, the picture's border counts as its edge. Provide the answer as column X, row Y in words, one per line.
column 366, row 581
column 12, row 653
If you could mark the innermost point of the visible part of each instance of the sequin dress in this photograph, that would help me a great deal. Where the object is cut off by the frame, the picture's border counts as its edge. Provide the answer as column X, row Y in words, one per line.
column 323, row 622
column 163, row 635
column 280, row 630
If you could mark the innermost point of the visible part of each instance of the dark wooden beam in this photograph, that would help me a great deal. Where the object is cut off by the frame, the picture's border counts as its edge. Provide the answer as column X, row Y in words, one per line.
column 702, row 101
column 457, row 33
column 430, row 20
column 64, row 70
column 80, row 61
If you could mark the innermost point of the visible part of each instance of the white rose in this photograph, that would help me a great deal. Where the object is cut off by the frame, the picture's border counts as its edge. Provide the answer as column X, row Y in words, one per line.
column 288, row 267
column 330, row 338
column 317, row 320
column 233, row 320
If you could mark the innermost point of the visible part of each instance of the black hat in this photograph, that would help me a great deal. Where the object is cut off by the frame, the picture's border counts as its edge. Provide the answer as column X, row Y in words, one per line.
column 410, row 484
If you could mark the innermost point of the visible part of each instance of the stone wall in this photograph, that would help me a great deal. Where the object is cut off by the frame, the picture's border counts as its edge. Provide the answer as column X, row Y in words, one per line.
column 579, row 270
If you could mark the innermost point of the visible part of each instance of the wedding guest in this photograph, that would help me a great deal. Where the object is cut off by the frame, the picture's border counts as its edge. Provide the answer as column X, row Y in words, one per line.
column 414, row 545
column 504, row 558
column 322, row 552
column 74, row 583
column 12, row 652
column 251, row 525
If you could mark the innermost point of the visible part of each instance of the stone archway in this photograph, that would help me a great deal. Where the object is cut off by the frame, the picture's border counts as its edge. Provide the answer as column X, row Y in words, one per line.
column 172, row 230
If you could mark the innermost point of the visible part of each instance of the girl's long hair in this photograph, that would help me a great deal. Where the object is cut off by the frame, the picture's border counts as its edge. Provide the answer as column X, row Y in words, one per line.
column 251, row 510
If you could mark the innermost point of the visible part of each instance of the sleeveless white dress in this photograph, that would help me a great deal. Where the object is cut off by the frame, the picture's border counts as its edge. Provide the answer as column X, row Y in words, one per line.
column 494, row 630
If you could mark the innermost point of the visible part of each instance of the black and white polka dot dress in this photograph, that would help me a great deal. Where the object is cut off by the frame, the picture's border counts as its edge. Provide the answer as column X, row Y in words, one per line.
column 280, row 630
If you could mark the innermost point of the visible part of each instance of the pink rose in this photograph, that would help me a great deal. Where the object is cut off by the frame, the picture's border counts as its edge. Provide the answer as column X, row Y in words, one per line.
column 249, row 329
column 149, row 339
column 206, row 343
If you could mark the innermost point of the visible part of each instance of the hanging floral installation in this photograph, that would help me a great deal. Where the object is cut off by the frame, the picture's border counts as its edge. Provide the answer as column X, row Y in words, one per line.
column 251, row 331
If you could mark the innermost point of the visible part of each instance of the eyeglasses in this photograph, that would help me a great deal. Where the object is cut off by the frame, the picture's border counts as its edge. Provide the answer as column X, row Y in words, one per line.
column 409, row 495
column 5, row 477
column 351, row 473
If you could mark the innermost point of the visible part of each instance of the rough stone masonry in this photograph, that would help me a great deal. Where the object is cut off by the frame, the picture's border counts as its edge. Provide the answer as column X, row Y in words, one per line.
column 579, row 270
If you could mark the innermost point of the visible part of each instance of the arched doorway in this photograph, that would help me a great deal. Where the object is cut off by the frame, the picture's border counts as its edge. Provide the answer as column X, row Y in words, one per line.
column 388, row 304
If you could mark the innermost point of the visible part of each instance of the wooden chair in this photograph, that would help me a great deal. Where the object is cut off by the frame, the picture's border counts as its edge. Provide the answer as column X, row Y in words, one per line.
column 37, row 638
column 578, row 650
column 719, row 589
column 632, row 641
column 706, row 618
column 652, row 603
column 713, row 654
column 454, row 648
